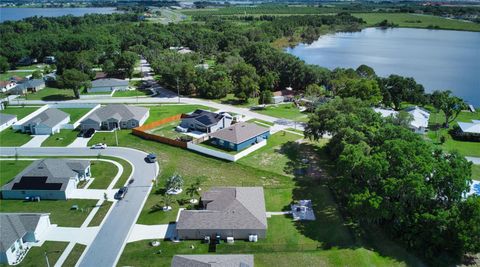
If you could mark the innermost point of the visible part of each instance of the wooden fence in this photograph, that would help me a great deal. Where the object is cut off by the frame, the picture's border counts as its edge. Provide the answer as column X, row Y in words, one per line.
column 142, row 132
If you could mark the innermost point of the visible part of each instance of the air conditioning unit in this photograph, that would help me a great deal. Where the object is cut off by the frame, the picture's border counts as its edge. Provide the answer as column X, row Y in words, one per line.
column 230, row 239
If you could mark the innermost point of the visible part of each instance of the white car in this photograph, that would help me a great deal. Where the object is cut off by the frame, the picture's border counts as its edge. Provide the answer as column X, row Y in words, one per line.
column 99, row 146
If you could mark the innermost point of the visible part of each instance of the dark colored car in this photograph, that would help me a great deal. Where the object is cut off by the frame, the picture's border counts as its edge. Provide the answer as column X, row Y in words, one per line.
column 151, row 158
column 121, row 193
column 80, row 134
column 89, row 133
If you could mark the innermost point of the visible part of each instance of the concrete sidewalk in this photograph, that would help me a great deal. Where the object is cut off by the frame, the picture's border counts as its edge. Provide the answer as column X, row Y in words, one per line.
column 92, row 193
column 81, row 235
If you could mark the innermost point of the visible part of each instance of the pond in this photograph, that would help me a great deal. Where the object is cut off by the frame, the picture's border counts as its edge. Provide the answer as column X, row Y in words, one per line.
column 10, row 13
column 438, row 59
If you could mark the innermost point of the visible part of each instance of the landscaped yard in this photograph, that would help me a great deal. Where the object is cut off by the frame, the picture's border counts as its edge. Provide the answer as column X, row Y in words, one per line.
column 9, row 137
column 10, row 168
column 168, row 130
column 60, row 210
column 36, row 255
column 284, row 111
column 131, row 93
column 103, row 172
column 51, row 94
column 20, row 111
column 75, row 113
column 74, row 255
column 64, row 138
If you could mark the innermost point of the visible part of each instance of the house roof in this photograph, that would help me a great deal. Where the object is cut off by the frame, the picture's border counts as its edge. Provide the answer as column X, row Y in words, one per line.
column 49, row 117
column 470, row 127
column 33, row 83
column 420, row 116
column 207, row 260
column 227, row 208
column 239, row 132
column 109, row 82
column 15, row 226
column 288, row 93
column 204, row 117
column 47, row 174
column 119, row 112
column 4, row 118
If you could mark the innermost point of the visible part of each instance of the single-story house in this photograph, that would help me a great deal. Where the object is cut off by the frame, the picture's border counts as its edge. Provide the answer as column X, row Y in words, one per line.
column 239, row 136
column 49, row 60
column 205, row 121
column 19, row 231
column 286, row 95
column 7, row 85
column 7, row 120
column 212, row 260
column 237, row 212
column 181, row 49
column 470, row 128
column 420, row 117
column 50, row 121
column 108, row 85
column 116, row 116
column 48, row 179
column 27, row 86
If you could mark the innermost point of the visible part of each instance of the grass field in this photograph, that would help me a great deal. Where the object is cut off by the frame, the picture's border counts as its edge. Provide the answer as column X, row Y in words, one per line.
column 74, row 255
column 284, row 111
column 61, row 213
column 75, row 113
column 21, row 112
column 476, row 172
column 131, row 93
column 103, row 172
column 418, row 21
column 51, row 94
column 36, row 256
column 10, row 168
column 9, row 137
column 63, row 138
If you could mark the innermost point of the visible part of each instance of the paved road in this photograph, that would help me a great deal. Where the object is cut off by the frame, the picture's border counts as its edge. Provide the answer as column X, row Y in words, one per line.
column 112, row 237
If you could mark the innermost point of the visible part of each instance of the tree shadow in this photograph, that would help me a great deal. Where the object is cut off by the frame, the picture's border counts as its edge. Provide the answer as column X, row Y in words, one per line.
column 57, row 98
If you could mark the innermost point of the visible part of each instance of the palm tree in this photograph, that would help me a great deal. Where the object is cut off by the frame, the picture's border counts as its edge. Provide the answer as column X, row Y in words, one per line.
column 192, row 191
column 166, row 201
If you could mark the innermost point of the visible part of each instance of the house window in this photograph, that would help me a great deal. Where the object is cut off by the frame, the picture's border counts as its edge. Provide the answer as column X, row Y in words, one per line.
column 232, row 146
column 221, row 142
column 12, row 249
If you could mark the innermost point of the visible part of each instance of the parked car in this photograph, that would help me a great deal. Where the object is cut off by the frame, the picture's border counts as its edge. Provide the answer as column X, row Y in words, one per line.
column 81, row 133
column 99, row 146
column 121, row 193
column 151, row 158
column 89, row 133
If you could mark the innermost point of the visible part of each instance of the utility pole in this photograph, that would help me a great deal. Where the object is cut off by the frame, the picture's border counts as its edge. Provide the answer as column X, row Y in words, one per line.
column 178, row 91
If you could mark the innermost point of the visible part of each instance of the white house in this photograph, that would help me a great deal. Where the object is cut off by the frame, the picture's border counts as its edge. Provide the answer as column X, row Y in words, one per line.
column 7, row 85
column 18, row 232
column 108, row 85
column 48, row 122
column 420, row 117
column 470, row 127
column 7, row 120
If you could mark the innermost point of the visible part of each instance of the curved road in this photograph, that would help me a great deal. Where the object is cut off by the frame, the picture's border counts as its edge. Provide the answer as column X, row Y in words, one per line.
column 112, row 237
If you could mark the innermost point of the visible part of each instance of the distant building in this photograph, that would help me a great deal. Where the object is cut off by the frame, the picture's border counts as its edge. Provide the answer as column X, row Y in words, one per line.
column 49, row 60
column 286, row 95
column 205, row 121
column 237, row 212
column 239, row 136
column 470, row 128
column 108, row 85
column 47, row 122
column 25, row 86
column 48, row 179
column 420, row 117
column 7, row 85
column 209, row 260
column 18, row 232
column 7, row 120
column 115, row 116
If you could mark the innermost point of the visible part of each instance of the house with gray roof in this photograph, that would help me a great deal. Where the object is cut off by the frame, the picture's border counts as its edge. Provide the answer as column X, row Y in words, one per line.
column 116, row 116
column 7, row 120
column 237, row 212
column 239, row 136
column 205, row 121
column 18, row 232
column 25, row 86
column 208, row 260
column 48, row 179
column 108, row 85
column 48, row 122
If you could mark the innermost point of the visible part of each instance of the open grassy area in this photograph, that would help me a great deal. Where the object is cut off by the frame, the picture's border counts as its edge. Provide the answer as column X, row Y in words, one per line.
column 64, row 138
column 10, row 168
column 284, row 111
column 418, row 21
column 9, row 137
column 102, row 211
column 21, row 112
column 158, row 112
column 230, row 99
column 463, row 147
column 8, row 75
column 103, row 172
column 476, row 172
column 36, row 255
column 131, row 93
column 168, row 130
column 74, row 255
column 51, row 94
column 261, row 122
column 61, row 213
column 75, row 113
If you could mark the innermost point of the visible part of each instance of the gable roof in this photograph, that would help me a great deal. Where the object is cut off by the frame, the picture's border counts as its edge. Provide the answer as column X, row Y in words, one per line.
column 15, row 226
column 119, row 112
column 33, row 83
column 206, row 260
column 470, row 127
column 109, row 82
column 239, row 132
column 420, row 116
column 204, row 117
column 50, row 117
column 47, row 174
column 4, row 118
column 228, row 208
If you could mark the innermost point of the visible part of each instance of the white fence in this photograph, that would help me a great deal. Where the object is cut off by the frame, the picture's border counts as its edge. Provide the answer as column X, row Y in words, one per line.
column 223, row 155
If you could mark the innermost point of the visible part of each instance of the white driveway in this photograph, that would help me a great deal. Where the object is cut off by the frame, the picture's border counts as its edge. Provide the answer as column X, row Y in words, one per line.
column 36, row 141
column 80, row 142
column 144, row 232
column 91, row 193
column 84, row 235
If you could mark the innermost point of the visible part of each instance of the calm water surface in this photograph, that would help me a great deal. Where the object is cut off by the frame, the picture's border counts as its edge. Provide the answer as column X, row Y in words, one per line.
column 438, row 59
column 21, row 13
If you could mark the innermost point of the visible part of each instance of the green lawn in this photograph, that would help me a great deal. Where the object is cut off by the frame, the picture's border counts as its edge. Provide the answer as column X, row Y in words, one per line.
column 75, row 113
column 63, row 138
column 158, row 112
column 74, row 255
column 10, row 168
column 98, row 218
column 59, row 209
column 8, row 75
column 261, row 122
column 21, row 112
column 36, row 256
column 418, row 21
column 476, row 172
column 284, row 111
column 230, row 99
column 9, row 137
column 131, row 93
column 103, row 172
column 168, row 130
column 52, row 94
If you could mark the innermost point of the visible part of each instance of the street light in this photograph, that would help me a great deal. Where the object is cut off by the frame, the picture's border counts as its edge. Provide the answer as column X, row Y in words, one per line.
column 46, row 255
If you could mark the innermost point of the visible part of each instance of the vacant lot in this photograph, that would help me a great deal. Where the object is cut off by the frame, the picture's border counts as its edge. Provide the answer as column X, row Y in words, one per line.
column 51, row 94
column 21, row 112
column 284, row 111
column 10, row 168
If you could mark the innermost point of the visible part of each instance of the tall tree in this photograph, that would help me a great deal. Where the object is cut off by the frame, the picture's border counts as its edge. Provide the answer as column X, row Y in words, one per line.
column 449, row 104
column 74, row 79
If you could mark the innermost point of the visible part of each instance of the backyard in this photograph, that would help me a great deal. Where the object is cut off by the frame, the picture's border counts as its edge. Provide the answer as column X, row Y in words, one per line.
column 168, row 130
column 158, row 112
column 20, row 111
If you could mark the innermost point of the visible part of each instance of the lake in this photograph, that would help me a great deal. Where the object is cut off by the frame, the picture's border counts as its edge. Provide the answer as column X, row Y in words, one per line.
column 438, row 59
column 8, row 13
